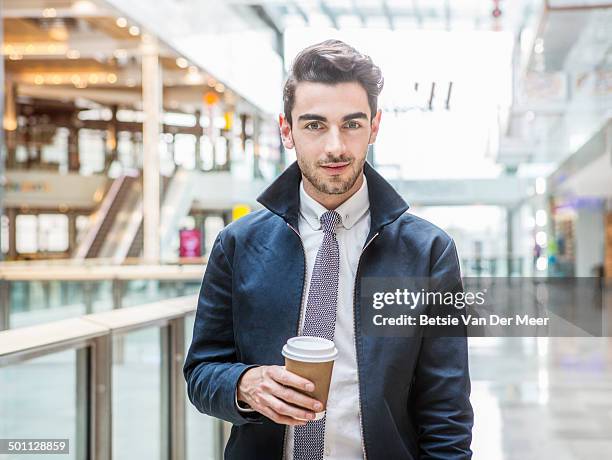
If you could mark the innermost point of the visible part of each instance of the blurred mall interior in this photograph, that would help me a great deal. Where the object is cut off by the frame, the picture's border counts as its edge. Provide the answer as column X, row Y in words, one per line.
column 134, row 131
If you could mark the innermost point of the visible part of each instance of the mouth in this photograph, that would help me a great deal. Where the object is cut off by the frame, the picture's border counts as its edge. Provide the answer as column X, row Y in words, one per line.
column 335, row 168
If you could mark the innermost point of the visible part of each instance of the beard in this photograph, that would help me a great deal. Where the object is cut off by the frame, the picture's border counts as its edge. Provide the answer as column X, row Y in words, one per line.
column 331, row 185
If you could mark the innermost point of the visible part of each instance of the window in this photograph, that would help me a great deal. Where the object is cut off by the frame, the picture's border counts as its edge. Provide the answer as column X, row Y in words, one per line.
column 53, row 232
column 27, row 231
column 45, row 232
column 4, row 234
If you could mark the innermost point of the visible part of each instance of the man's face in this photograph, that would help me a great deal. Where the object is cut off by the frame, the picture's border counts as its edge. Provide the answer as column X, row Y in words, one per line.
column 330, row 132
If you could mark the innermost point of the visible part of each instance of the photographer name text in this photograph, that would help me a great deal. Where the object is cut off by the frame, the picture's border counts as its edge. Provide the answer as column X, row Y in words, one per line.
column 466, row 320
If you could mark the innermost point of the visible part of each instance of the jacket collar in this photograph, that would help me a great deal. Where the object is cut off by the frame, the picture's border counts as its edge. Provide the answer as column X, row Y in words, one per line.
column 282, row 197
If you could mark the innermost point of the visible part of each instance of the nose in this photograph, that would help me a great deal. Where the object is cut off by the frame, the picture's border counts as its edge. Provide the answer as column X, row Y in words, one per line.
column 334, row 144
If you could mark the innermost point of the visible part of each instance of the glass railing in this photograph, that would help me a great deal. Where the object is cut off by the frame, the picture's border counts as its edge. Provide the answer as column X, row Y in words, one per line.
column 495, row 266
column 110, row 382
column 35, row 294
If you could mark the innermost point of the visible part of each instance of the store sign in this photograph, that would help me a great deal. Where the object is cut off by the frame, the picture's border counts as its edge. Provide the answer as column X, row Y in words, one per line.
column 27, row 187
column 190, row 243
column 42, row 189
column 239, row 211
column 546, row 87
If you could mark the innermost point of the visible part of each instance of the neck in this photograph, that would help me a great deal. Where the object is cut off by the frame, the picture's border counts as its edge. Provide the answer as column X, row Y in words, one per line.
column 331, row 201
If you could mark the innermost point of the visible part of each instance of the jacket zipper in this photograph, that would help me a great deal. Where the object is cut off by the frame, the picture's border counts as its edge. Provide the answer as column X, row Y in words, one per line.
column 365, row 456
column 297, row 332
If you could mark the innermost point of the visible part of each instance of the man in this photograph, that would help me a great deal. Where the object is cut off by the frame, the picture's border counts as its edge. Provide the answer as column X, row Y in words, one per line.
column 295, row 268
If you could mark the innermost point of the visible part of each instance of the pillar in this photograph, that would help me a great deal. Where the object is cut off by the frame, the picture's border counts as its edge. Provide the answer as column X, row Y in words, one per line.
column 151, row 102
column 72, row 232
column 9, row 121
column 199, row 164
column 12, row 242
column 509, row 241
column 74, row 163
column 590, row 240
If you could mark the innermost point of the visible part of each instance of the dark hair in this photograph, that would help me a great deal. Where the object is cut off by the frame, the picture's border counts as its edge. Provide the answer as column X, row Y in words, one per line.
column 333, row 61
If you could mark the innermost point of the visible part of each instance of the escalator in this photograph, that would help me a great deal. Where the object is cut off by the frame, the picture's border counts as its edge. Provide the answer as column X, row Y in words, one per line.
column 116, row 231
column 119, row 197
column 125, row 226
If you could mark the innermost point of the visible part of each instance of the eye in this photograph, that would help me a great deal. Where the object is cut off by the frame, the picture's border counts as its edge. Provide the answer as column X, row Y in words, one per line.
column 314, row 125
column 352, row 124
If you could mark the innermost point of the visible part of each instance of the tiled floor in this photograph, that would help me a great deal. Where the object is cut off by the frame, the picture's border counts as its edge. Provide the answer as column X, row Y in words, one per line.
column 541, row 398
column 534, row 398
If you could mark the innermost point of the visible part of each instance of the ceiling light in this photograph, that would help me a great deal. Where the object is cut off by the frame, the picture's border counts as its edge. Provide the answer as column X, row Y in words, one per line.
column 539, row 46
column 39, row 80
column 111, row 78
column 49, row 13
column 220, row 87
column 84, row 7
column 75, row 79
column 192, row 69
column 16, row 57
column 182, row 62
column 56, row 79
column 121, row 22
column 120, row 53
column 93, row 78
column 194, row 78
column 58, row 32
column 134, row 30
column 73, row 54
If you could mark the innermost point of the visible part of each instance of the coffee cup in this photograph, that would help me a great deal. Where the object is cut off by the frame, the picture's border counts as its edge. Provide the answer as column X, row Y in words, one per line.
column 312, row 358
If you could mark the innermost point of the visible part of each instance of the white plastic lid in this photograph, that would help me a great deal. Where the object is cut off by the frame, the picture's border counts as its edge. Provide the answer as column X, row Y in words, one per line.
column 310, row 349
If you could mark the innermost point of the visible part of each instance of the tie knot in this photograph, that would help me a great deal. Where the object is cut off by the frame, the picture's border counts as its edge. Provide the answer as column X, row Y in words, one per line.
column 329, row 220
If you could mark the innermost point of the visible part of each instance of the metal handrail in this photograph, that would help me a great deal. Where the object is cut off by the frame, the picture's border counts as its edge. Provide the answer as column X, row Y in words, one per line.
column 94, row 262
column 91, row 336
column 102, row 272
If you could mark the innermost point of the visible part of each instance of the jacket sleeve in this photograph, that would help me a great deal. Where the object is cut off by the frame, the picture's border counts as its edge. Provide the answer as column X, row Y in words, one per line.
column 211, row 369
column 441, row 398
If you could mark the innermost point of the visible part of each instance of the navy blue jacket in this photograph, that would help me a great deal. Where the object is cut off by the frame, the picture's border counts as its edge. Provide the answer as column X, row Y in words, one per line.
column 414, row 391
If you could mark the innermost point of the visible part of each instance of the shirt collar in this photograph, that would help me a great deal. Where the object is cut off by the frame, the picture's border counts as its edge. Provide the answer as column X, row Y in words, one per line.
column 282, row 197
column 350, row 211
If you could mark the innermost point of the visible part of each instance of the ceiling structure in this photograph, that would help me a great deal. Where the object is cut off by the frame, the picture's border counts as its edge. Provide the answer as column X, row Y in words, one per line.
column 563, row 91
column 71, row 48
column 392, row 14
column 76, row 49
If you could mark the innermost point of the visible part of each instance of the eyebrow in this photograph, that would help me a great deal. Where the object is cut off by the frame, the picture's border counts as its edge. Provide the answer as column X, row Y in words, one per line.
column 350, row 116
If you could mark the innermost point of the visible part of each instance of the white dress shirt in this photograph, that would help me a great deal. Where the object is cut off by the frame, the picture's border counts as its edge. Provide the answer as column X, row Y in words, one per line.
column 342, row 425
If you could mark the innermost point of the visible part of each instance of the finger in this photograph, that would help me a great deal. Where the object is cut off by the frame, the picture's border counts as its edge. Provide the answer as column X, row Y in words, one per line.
column 279, row 418
column 294, row 397
column 289, row 379
column 282, row 408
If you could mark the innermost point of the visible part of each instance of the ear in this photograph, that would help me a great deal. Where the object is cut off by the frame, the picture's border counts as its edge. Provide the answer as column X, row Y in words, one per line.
column 285, row 131
column 375, row 126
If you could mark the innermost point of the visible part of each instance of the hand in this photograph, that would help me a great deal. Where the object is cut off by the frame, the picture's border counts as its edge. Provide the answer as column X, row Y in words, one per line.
column 270, row 391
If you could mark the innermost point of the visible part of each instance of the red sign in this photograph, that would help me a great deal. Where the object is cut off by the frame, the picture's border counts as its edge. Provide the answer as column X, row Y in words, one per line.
column 190, row 243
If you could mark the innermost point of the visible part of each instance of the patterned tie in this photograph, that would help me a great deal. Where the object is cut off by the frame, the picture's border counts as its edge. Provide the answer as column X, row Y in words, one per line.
column 320, row 321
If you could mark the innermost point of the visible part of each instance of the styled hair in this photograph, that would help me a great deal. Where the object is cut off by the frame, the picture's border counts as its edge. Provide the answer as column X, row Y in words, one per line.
column 331, row 62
